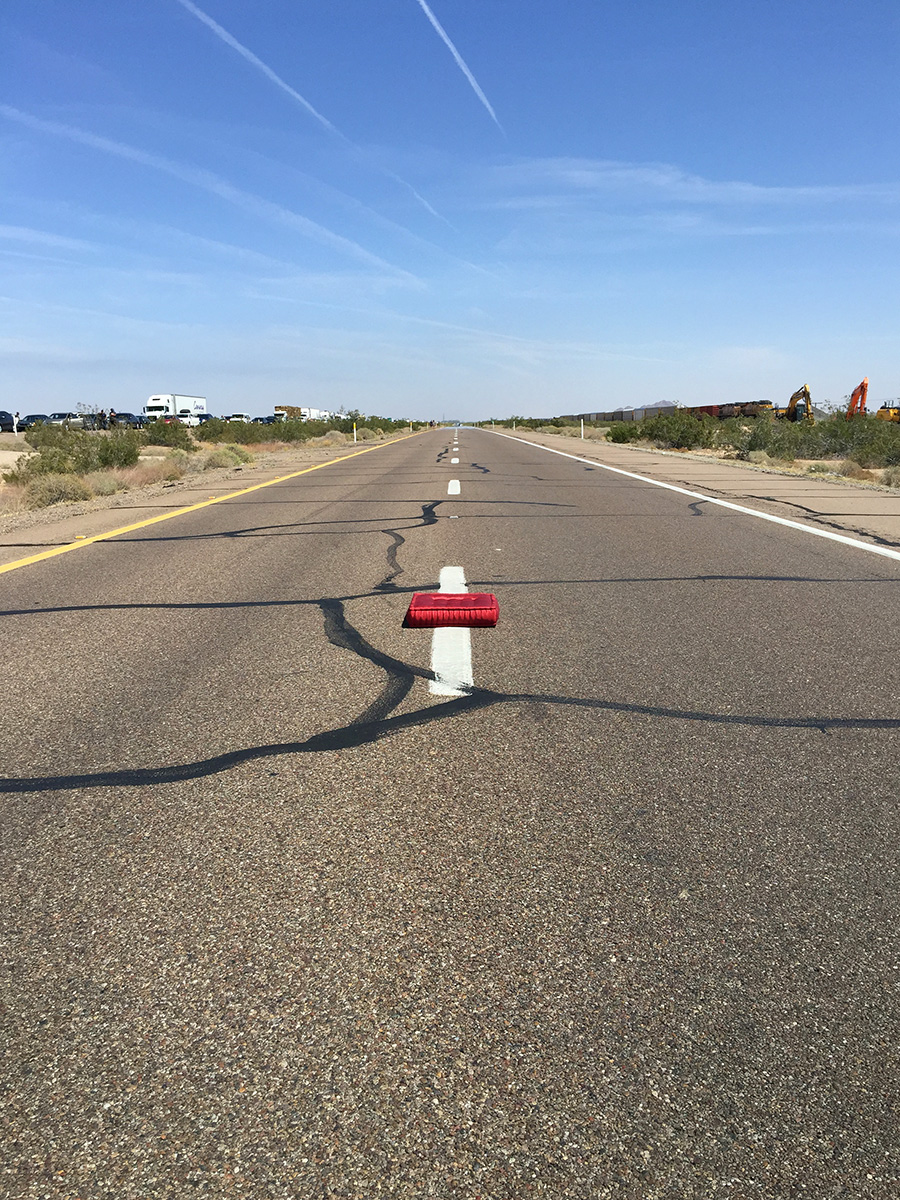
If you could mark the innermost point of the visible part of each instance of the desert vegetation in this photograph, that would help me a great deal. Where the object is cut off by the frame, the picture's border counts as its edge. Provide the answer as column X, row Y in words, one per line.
column 66, row 464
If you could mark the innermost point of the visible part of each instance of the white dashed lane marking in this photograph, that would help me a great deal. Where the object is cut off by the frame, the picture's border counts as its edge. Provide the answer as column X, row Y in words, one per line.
column 453, row 487
column 451, row 649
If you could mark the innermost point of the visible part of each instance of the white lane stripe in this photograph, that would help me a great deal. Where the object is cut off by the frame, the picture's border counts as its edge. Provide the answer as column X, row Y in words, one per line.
column 750, row 512
column 453, row 487
column 454, row 460
column 451, row 649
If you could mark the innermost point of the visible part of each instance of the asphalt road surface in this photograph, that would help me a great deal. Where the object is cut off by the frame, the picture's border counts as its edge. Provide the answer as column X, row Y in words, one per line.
column 620, row 919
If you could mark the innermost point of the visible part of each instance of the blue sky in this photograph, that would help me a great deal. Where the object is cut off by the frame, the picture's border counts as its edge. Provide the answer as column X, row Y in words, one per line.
column 447, row 209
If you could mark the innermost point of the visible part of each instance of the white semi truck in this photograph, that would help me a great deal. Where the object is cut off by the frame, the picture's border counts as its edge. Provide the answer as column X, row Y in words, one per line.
column 188, row 409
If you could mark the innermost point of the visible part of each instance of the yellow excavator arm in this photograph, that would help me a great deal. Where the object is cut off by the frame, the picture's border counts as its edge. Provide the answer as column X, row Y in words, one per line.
column 799, row 406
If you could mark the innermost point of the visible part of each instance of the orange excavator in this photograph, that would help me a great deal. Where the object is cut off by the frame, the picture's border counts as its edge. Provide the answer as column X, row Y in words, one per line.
column 857, row 405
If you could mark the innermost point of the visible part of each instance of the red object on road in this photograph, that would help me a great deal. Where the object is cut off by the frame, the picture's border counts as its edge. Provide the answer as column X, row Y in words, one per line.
column 433, row 610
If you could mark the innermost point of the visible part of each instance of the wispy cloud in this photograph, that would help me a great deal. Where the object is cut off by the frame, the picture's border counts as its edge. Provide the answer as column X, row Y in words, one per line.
column 459, row 61
column 37, row 237
column 198, row 177
column 574, row 178
column 257, row 62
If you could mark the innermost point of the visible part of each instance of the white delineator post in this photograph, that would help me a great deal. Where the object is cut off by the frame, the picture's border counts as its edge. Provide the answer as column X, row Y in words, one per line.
column 354, row 432
column 582, row 428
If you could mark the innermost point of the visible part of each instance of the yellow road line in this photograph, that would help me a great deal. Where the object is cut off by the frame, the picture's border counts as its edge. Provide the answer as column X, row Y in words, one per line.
column 179, row 512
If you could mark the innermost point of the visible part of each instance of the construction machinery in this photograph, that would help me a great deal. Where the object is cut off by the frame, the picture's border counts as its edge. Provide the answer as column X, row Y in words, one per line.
column 857, row 405
column 889, row 411
column 799, row 407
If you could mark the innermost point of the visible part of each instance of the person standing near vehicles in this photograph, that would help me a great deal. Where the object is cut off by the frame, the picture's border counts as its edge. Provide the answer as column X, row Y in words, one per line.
column 16, row 424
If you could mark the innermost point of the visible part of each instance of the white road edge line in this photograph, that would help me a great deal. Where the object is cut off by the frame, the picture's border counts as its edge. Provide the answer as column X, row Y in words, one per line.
column 750, row 512
column 454, row 461
column 451, row 649
column 453, row 487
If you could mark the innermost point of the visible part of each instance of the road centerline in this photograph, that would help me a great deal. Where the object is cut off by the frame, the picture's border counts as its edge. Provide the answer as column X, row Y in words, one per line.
column 451, row 647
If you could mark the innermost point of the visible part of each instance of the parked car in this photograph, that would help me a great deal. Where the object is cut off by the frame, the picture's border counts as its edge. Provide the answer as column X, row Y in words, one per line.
column 7, row 424
column 33, row 419
column 129, row 420
column 71, row 420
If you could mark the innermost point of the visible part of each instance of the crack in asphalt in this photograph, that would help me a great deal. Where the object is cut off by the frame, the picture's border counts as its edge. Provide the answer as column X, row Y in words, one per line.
column 378, row 720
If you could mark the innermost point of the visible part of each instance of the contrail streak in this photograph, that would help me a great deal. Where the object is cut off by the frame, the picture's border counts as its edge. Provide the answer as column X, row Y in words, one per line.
column 231, row 41
column 257, row 62
column 198, row 177
column 459, row 61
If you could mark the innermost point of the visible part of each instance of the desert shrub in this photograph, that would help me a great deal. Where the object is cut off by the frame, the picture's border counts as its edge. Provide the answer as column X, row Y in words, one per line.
column 679, row 430
column 121, row 448
column 53, row 461
column 819, row 468
column 220, row 458
column 171, row 433
column 732, row 434
column 366, row 435
column 58, row 452
column 45, row 490
column 625, row 431
column 248, row 434
column 242, row 455
column 212, row 430
column 890, row 477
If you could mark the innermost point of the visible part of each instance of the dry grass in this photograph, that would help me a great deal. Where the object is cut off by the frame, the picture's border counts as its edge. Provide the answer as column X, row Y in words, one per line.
column 146, row 473
column 12, row 498
column 104, row 483
column 44, row 490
